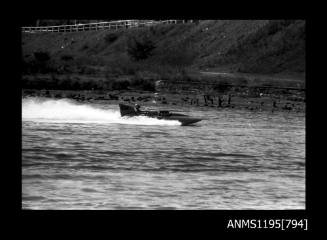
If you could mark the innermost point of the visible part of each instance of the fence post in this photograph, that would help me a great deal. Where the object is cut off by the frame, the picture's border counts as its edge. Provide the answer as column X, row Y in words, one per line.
column 98, row 26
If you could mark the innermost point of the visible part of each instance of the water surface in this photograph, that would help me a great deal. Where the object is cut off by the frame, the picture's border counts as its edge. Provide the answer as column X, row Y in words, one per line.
column 85, row 156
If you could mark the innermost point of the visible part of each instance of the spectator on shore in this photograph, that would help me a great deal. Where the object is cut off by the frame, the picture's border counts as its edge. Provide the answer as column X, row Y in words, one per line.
column 220, row 101
column 274, row 106
column 211, row 99
column 288, row 106
column 205, row 100
column 137, row 108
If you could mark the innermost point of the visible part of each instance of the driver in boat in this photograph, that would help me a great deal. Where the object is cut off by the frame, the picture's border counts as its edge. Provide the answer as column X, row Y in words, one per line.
column 137, row 108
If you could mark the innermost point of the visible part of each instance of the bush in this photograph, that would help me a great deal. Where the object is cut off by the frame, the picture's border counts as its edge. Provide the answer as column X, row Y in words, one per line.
column 84, row 47
column 143, row 84
column 110, row 38
column 120, row 85
column 86, row 70
column 222, row 86
column 67, row 57
column 121, row 65
column 242, row 81
column 140, row 49
column 42, row 56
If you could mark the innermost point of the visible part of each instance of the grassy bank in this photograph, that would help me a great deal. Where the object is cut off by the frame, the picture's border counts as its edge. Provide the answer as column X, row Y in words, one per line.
column 166, row 51
column 258, row 54
column 253, row 46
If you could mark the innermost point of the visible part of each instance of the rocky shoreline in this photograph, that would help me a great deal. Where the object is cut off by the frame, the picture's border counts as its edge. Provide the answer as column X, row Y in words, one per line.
column 232, row 100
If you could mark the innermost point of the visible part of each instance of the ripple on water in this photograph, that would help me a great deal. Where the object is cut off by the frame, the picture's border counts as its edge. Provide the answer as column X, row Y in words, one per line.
column 234, row 160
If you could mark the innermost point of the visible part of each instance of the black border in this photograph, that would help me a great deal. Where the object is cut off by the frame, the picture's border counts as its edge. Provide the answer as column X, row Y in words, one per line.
column 161, row 221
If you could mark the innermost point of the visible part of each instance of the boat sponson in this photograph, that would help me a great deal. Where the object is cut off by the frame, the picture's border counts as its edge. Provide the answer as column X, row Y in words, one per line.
column 127, row 110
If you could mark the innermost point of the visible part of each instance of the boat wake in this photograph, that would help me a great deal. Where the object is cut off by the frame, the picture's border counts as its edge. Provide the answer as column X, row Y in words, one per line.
column 69, row 111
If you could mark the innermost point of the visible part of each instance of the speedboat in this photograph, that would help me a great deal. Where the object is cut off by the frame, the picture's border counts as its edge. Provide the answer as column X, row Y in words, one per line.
column 131, row 111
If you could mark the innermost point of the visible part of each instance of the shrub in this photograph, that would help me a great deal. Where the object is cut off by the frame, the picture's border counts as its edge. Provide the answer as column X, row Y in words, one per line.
column 110, row 38
column 76, row 85
column 67, row 57
column 86, row 70
column 222, row 86
column 42, row 56
column 121, row 65
column 143, row 84
column 120, row 85
column 140, row 49
column 64, row 83
column 84, row 47
column 242, row 81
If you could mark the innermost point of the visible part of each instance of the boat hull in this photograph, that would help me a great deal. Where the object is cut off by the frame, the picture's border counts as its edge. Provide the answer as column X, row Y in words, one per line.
column 126, row 110
column 184, row 120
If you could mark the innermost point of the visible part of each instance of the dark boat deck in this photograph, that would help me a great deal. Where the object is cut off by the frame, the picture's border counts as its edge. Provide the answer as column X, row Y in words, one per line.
column 127, row 110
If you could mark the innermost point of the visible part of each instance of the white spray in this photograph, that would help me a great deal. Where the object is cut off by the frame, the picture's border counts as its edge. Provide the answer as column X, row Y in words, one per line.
column 65, row 110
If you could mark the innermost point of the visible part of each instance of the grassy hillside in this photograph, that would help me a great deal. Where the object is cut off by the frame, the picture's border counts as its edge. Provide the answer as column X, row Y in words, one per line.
column 279, row 46
column 170, row 51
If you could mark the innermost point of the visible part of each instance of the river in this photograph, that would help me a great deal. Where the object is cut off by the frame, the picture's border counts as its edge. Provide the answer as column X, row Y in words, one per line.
column 85, row 156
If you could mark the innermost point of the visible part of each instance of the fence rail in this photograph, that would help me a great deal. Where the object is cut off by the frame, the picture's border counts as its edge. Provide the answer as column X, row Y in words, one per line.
column 100, row 26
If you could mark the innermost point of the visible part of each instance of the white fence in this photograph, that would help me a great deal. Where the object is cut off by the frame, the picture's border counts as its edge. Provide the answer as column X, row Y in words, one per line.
column 100, row 26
